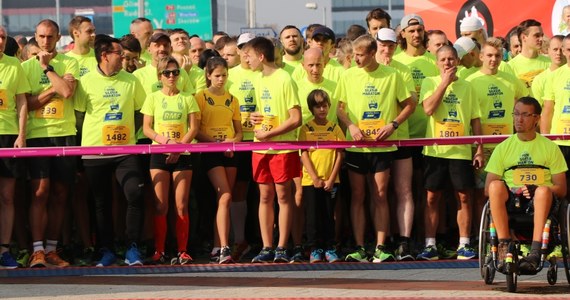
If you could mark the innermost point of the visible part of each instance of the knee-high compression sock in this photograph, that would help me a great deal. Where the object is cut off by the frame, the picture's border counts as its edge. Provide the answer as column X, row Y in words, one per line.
column 182, row 228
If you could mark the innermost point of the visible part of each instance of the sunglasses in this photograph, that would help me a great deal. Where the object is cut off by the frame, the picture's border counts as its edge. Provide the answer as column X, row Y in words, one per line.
column 167, row 73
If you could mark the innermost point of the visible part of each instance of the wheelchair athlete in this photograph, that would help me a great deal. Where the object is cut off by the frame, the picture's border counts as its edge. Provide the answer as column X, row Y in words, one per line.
column 526, row 169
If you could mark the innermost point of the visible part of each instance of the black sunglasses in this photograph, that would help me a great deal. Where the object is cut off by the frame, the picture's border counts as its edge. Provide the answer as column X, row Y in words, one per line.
column 167, row 73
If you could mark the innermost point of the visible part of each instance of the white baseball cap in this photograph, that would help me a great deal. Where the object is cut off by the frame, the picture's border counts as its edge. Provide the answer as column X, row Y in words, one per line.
column 464, row 45
column 386, row 35
column 244, row 38
column 470, row 24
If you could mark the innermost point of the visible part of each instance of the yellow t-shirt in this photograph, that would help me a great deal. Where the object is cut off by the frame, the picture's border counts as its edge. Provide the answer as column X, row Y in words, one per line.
column 170, row 113
column 87, row 62
column 322, row 159
column 109, row 104
column 539, row 84
column 56, row 118
column 496, row 96
column 217, row 113
column 275, row 95
column 11, row 84
column 305, row 87
column 240, row 84
column 421, row 67
column 291, row 65
column 197, row 78
column 541, row 156
column 526, row 69
column 558, row 90
column 403, row 131
column 371, row 101
column 145, row 55
column 452, row 117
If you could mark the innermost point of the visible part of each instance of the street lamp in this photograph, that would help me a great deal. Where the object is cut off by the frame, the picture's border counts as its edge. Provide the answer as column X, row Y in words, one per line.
column 315, row 6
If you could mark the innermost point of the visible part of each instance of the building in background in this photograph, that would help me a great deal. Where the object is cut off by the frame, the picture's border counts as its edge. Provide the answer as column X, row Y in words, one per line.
column 348, row 12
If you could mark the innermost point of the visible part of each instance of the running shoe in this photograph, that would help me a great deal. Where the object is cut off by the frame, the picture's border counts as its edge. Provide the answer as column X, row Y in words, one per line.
column 226, row 255
column 7, row 261
column 158, row 258
column 298, row 255
column 331, row 256
column 215, row 258
column 381, row 254
column 184, row 258
column 53, row 259
column 86, row 257
column 239, row 250
column 23, row 258
column 446, row 253
column 357, row 256
column 403, row 252
column 429, row 253
column 316, row 256
column 281, row 255
column 466, row 252
column 38, row 259
column 133, row 256
column 108, row 258
column 530, row 263
column 266, row 255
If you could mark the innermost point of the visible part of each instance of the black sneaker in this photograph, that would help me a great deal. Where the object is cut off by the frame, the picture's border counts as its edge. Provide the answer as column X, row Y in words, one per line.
column 225, row 256
column 298, row 255
column 403, row 252
column 215, row 258
column 530, row 263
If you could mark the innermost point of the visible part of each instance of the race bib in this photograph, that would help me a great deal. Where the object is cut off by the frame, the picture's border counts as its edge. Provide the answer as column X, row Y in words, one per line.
column 448, row 129
column 246, row 125
column 115, row 135
column 497, row 129
column 371, row 128
column 51, row 110
column 3, row 99
column 313, row 136
column 269, row 123
column 524, row 176
column 171, row 131
column 563, row 126
column 220, row 133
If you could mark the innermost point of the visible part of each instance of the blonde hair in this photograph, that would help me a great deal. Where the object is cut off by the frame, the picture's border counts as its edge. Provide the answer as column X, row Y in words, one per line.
column 365, row 42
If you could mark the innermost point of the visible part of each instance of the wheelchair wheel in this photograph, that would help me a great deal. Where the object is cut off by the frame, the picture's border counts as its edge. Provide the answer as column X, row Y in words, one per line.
column 565, row 237
column 552, row 275
column 486, row 266
column 512, row 282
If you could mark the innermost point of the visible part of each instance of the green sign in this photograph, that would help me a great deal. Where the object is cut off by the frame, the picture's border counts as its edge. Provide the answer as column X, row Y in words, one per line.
column 194, row 16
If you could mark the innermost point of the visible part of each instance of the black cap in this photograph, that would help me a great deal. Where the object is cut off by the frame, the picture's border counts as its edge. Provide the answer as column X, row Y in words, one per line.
column 158, row 36
column 325, row 31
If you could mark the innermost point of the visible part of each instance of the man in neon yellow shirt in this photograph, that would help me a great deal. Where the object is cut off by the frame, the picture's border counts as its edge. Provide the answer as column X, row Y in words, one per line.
column 82, row 32
column 274, row 171
column 497, row 92
column 240, row 85
column 293, row 45
column 372, row 102
column 453, row 110
column 51, row 122
column 141, row 28
column 533, row 167
column 110, row 97
column 377, row 19
column 13, row 113
column 529, row 63
column 402, row 167
column 557, row 60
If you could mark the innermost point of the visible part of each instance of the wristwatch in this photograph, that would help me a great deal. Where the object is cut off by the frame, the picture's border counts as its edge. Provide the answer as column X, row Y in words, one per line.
column 49, row 68
column 395, row 124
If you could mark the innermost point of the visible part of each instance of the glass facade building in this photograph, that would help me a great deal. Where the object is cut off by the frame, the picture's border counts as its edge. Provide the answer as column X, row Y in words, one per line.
column 349, row 12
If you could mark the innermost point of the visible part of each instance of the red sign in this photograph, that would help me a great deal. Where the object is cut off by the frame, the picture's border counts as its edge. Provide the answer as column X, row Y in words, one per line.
column 498, row 16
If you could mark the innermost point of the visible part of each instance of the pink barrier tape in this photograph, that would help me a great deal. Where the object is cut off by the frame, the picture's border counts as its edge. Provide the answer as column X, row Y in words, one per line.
column 248, row 146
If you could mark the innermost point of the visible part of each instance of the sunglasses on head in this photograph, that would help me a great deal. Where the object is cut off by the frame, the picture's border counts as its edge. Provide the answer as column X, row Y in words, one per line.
column 167, row 73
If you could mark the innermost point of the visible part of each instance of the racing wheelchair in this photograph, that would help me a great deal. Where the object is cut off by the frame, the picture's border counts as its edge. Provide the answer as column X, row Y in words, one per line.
column 555, row 233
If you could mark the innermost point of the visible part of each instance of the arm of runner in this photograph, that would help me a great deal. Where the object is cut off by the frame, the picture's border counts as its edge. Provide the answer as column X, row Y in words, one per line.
column 431, row 103
column 291, row 123
column 22, row 111
column 546, row 116
column 345, row 120
column 558, row 186
column 329, row 183
column 308, row 164
column 479, row 157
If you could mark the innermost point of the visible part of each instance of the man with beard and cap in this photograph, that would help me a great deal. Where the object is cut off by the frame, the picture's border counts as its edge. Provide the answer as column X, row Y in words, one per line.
column 293, row 44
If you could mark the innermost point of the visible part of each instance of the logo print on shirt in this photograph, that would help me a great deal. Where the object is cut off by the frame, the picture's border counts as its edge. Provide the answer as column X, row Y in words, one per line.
column 495, row 93
column 525, row 159
column 372, row 93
